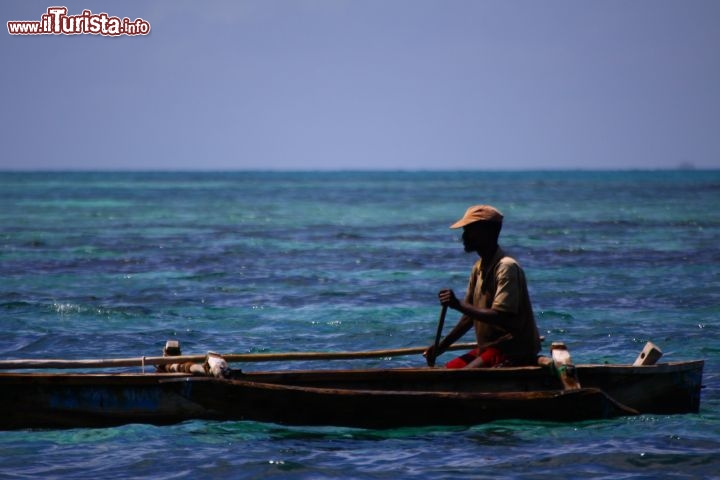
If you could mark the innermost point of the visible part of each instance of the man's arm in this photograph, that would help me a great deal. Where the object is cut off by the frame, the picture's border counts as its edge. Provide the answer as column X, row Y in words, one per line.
column 471, row 312
column 463, row 325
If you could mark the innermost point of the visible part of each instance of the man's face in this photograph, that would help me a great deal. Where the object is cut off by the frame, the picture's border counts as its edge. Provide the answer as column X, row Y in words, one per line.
column 477, row 237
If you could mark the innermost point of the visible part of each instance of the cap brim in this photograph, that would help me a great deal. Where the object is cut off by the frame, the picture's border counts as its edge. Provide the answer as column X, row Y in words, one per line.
column 462, row 222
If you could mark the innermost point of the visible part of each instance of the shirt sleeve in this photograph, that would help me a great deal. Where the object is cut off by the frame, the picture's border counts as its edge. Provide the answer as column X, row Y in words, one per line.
column 507, row 292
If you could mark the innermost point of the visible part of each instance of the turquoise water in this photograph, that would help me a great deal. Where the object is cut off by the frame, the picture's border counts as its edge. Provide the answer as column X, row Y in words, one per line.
column 97, row 265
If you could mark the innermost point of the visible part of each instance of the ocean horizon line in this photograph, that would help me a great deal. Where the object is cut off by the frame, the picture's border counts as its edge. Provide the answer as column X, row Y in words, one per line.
column 353, row 170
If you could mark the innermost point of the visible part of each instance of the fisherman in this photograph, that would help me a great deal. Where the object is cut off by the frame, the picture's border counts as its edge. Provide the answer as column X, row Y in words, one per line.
column 497, row 303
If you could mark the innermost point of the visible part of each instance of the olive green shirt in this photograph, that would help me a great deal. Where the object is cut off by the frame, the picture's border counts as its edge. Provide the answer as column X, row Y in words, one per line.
column 501, row 286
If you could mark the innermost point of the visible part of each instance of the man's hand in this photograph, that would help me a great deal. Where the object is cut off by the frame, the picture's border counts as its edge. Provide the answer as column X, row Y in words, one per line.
column 447, row 298
column 430, row 355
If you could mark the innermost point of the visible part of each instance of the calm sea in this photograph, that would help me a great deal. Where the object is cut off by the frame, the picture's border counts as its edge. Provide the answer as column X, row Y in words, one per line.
column 98, row 265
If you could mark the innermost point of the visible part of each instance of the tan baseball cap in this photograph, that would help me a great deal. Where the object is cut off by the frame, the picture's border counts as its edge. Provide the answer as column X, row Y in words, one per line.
column 479, row 213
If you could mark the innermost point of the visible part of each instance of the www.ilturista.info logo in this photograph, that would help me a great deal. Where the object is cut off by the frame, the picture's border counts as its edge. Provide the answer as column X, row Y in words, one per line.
column 57, row 22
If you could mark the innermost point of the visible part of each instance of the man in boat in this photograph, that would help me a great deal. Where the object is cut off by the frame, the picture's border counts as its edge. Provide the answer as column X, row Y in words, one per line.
column 497, row 303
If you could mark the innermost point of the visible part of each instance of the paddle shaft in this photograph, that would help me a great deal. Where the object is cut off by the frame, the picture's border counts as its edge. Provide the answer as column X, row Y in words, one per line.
column 233, row 357
column 438, row 334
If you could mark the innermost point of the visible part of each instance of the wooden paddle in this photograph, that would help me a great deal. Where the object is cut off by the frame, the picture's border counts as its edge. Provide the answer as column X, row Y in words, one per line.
column 230, row 358
column 441, row 322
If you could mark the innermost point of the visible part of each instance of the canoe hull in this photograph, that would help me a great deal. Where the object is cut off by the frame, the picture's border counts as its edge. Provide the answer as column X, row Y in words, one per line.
column 667, row 388
column 68, row 401
column 391, row 409
column 356, row 398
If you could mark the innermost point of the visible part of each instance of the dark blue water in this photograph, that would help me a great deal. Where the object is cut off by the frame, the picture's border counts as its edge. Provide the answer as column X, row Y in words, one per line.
column 98, row 265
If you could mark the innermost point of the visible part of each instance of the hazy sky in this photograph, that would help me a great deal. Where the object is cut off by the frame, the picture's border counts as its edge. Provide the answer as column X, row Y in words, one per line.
column 367, row 84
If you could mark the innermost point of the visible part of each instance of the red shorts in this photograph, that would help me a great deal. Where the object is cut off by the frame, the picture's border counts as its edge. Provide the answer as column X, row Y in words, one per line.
column 491, row 357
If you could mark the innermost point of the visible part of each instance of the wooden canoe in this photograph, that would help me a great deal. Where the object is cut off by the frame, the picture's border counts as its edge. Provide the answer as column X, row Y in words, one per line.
column 377, row 398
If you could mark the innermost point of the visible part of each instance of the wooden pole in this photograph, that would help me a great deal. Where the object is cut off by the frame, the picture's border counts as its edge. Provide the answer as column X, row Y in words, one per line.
column 230, row 358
